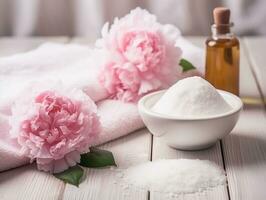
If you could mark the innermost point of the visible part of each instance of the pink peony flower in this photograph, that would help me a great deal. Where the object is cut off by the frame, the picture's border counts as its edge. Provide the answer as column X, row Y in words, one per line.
column 142, row 56
column 55, row 128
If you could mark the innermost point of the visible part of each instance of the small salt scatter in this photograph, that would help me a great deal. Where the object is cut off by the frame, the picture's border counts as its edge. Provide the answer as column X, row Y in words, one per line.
column 175, row 176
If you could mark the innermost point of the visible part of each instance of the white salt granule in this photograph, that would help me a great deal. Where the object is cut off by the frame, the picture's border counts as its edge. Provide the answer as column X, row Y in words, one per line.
column 174, row 176
column 191, row 97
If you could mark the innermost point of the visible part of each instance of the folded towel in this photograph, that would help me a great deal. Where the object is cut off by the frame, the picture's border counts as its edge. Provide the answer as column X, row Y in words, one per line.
column 192, row 53
column 50, row 62
column 65, row 63
column 9, row 151
column 117, row 119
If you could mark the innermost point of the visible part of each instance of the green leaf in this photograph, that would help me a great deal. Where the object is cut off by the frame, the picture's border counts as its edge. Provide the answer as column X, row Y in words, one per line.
column 71, row 175
column 97, row 158
column 186, row 65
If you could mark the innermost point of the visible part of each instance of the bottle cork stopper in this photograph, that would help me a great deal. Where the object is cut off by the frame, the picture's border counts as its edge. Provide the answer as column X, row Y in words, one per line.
column 221, row 17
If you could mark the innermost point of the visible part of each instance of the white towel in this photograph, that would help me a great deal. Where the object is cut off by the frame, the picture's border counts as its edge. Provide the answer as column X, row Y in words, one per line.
column 70, row 64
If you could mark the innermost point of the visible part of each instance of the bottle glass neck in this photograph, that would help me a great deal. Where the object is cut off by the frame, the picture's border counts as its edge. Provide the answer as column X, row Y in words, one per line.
column 222, row 31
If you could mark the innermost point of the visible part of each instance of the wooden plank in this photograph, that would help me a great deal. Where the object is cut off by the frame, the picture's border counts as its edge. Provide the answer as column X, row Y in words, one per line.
column 27, row 182
column 100, row 183
column 162, row 151
column 245, row 148
column 256, row 47
column 12, row 45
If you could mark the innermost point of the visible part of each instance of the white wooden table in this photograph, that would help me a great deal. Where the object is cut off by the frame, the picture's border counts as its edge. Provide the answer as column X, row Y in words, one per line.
column 242, row 153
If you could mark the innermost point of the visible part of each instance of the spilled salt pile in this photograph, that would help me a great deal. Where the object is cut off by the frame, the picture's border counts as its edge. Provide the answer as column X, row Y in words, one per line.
column 174, row 176
column 191, row 97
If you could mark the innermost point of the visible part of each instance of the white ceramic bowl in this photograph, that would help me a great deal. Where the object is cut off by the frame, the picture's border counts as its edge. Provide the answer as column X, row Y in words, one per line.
column 188, row 133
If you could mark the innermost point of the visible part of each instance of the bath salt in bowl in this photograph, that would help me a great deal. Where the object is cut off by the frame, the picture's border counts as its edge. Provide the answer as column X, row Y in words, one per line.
column 191, row 98
column 191, row 115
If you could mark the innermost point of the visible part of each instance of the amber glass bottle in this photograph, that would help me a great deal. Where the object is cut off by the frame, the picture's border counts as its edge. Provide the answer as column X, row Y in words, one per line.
column 222, row 56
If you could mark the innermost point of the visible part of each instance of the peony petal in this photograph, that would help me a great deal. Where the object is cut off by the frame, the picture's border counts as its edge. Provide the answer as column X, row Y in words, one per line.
column 142, row 56
column 72, row 158
column 56, row 143
column 60, row 166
